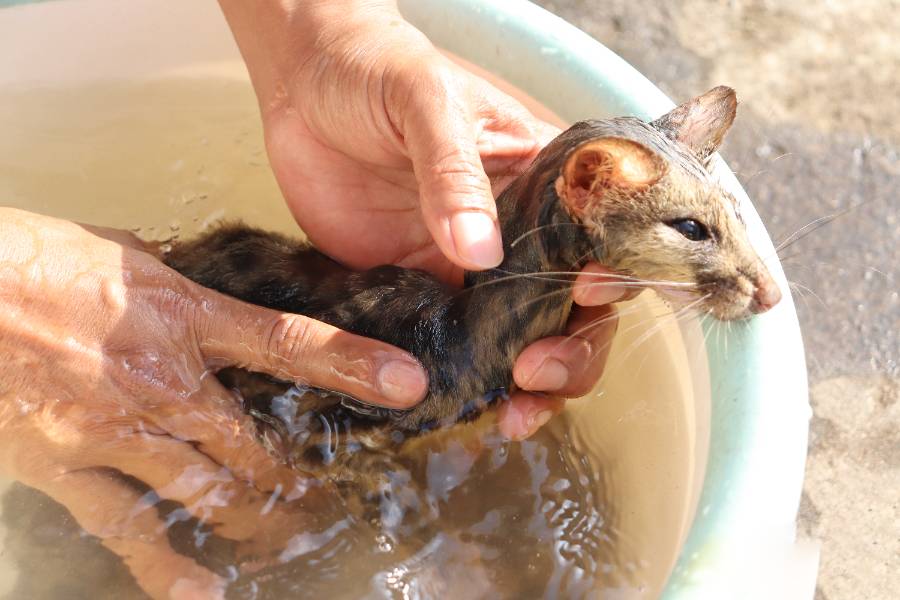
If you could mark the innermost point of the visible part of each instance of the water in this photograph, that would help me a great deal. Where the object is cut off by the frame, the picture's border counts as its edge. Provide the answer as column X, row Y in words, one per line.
column 595, row 505
column 545, row 526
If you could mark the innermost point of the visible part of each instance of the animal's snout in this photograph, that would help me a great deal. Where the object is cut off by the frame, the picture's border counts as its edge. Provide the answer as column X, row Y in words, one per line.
column 765, row 294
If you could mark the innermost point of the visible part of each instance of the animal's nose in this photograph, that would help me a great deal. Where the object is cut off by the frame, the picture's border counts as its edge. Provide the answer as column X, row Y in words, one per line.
column 765, row 294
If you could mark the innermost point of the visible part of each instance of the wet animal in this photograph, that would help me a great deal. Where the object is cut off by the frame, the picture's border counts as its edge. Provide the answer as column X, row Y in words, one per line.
column 637, row 197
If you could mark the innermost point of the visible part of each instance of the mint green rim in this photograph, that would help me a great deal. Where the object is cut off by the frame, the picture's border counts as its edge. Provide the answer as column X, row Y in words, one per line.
column 746, row 514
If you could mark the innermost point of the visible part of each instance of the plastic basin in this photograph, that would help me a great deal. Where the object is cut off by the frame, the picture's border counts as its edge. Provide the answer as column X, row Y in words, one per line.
column 740, row 541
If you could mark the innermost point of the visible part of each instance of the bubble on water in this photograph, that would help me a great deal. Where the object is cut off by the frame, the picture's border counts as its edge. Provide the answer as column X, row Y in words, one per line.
column 499, row 456
column 383, row 543
column 200, row 537
column 561, row 485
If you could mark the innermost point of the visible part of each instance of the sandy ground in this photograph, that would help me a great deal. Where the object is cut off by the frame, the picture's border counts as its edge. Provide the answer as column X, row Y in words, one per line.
column 818, row 131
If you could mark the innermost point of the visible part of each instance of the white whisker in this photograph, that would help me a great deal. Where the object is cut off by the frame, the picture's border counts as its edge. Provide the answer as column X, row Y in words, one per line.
column 539, row 228
column 549, row 276
column 709, row 328
column 596, row 323
column 800, row 287
column 660, row 322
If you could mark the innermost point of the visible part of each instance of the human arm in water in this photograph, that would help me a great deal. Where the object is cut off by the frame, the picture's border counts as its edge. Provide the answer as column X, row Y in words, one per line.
column 106, row 371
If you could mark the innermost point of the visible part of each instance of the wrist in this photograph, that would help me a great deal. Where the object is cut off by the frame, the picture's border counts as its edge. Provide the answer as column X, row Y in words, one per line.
column 276, row 38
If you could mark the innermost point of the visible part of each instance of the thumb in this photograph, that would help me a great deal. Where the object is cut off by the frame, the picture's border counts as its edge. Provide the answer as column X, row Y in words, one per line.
column 303, row 350
column 457, row 203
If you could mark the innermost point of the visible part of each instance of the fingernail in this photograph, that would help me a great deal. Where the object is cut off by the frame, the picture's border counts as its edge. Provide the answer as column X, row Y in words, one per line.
column 538, row 420
column 477, row 238
column 402, row 383
column 550, row 376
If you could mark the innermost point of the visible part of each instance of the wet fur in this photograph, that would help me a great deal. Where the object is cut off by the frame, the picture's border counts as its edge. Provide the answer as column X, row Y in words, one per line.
column 468, row 340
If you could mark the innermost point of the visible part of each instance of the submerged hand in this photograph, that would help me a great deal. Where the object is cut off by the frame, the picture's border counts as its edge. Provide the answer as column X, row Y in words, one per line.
column 107, row 370
column 386, row 152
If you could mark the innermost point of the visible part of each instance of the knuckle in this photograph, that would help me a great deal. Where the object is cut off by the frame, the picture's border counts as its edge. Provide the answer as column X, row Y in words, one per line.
column 144, row 374
column 174, row 302
column 432, row 79
column 460, row 174
column 442, row 129
column 419, row 86
column 290, row 337
column 450, row 160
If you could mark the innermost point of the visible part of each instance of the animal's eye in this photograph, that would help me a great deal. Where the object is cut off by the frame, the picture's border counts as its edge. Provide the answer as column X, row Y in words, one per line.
column 691, row 229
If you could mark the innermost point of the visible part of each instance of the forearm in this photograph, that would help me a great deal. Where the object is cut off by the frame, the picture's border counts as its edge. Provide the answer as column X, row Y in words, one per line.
column 277, row 37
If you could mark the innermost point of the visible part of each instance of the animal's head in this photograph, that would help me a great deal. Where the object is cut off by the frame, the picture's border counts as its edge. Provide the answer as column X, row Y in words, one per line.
column 653, row 211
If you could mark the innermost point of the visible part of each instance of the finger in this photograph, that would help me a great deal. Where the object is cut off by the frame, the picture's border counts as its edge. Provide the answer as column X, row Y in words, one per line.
column 441, row 137
column 569, row 365
column 303, row 350
column 123, row 238
column 525, row 413
column 596, row 285
column 510, row 131
column 212, row 419
column 511, row 137
column 545, row 133
column 113, row 512
column 176, row 471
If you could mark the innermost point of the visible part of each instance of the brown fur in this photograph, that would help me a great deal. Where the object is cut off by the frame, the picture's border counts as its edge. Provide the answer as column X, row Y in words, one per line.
column 603, row 190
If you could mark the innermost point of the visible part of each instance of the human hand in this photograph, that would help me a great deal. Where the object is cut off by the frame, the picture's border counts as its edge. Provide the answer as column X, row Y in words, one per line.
column 386, row 152
column 107, row 369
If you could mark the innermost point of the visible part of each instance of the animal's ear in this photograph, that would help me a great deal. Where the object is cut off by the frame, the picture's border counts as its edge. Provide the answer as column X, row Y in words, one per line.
column 701, row 123
column 603, row 164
